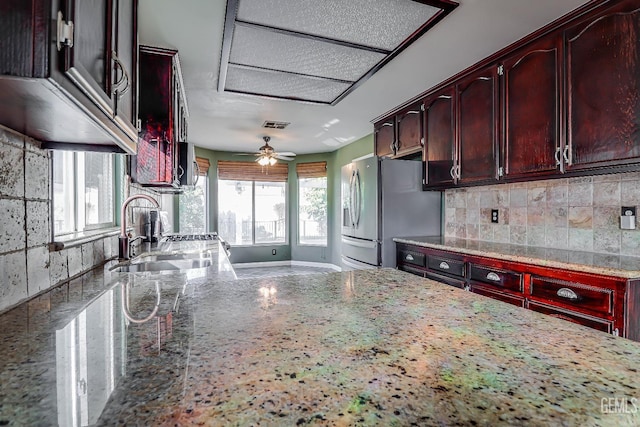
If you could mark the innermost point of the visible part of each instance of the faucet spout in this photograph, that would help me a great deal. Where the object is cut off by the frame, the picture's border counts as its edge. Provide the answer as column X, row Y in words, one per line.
column 123, row 252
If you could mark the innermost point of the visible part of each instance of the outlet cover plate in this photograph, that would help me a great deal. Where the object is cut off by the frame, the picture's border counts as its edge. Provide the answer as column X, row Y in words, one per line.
column 494, row 216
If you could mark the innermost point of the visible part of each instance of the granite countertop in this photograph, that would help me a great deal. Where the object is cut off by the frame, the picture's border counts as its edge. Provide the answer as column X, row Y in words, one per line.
column 597, row 263
column 376, row 347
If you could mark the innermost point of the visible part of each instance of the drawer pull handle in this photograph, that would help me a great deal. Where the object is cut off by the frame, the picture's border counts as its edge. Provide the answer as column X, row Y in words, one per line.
column 567, row 293
column 409, row 257
column 444, row 265
column 493, row 276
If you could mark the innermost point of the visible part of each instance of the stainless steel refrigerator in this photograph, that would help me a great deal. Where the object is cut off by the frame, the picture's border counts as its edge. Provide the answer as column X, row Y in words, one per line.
column 383, row 199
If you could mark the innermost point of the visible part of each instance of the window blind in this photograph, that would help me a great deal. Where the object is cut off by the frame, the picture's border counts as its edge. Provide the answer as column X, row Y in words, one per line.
column 252, row 171
column 311, row 170
column 203, row 165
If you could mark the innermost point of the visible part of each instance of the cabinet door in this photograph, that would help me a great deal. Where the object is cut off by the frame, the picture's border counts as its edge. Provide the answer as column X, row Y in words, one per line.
column 409, row 123
column 125, row 61
column 439, row 128
column 385, row 138
column 478, row 122
column 88, row 62
column 531, row 145
column 603, row 83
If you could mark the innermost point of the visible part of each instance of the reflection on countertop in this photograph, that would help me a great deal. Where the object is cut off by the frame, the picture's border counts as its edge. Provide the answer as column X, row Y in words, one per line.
column 368, row 347
column 592, row 262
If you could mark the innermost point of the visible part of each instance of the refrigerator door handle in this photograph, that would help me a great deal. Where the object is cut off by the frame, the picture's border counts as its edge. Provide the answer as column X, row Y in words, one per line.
column 358, row 198
column 369, row 244
column 351, row 218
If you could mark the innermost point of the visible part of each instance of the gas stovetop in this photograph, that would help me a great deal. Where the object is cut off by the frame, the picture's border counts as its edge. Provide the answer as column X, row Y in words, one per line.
column 190, row 237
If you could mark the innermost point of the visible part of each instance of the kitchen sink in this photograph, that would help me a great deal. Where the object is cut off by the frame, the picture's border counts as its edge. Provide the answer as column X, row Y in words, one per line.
column 202, row 255
column 163, row 265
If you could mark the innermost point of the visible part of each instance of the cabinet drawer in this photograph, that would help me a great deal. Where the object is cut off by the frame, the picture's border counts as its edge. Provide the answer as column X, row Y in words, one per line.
column 411, row 270
column 445, row 265
column 581, row 319
column 499, row 279
column 573, row 295
column 413, row 258
column 487, row 292
column 446, row 280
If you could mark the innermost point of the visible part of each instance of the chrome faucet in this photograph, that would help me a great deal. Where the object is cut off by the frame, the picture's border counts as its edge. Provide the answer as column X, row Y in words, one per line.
column 124, row 248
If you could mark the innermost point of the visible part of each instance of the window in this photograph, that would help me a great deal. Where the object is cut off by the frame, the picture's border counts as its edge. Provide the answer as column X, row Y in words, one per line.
column 83, row 191
column 252, row 203
column 312, row 203
column 193, row 207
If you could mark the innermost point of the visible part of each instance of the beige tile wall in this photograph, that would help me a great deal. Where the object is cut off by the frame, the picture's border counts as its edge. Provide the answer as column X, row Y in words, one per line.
column 27, row 266
column 575, row 213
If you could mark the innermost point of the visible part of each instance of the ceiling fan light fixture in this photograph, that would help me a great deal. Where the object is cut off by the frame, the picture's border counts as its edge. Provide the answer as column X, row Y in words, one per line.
column 263, row 161
column 272, row 161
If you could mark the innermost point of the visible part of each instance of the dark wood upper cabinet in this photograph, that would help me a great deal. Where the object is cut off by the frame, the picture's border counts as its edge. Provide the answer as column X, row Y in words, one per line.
column 163, row 115
column 385, row 138
column 102, row 60
column 87, row 61
column 126, row 61
column 439, row 131
column 409, row 123
column 57, row 79
column 477, row 114
column 603, row 88
column 531, row 95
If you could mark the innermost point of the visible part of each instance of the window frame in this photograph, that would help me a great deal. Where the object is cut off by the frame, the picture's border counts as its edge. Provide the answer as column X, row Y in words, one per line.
column 204, row 178
column 326, row 236
column 253, row 213
column 78, row 184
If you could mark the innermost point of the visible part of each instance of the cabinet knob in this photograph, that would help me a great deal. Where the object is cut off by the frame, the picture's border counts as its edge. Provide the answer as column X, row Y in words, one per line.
column 567, row 293
column 493, row 277
column 444, row 265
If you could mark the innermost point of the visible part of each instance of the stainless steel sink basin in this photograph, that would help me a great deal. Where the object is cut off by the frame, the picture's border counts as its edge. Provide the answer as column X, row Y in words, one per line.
column 166, row 265
column 173, row 257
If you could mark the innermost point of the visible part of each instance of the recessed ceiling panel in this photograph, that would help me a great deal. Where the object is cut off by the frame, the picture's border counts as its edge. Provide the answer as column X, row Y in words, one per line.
column 282, row 85
column 314, row 49
column 383, row 24
column 277, row 51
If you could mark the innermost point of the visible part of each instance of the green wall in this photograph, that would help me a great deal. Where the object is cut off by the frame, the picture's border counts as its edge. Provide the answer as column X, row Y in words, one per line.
column 292, row 251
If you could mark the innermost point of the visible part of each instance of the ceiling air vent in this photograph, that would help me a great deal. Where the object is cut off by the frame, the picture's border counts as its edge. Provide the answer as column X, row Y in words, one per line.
column 275, row 125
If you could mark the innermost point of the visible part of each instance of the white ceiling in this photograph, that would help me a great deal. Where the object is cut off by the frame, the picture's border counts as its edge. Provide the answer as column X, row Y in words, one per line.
column 231, row 122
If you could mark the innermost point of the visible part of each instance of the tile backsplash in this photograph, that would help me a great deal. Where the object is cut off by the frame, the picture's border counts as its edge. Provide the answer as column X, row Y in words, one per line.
column 572, row 213
column 28, row 266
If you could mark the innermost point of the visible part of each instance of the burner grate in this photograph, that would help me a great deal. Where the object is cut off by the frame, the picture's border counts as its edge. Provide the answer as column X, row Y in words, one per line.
column 190, row 237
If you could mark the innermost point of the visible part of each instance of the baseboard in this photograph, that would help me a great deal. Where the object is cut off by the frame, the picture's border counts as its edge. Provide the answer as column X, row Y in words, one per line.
column 286, row 264
column 316, row 264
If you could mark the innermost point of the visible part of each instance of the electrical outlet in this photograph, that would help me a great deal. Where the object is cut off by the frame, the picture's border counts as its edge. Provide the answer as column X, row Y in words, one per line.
column 628, row 211
column 273, row 251
column 494, row 216
column 628, row 218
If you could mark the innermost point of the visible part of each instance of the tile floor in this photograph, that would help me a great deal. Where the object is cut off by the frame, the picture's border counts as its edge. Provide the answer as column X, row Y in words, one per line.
column 281, row 270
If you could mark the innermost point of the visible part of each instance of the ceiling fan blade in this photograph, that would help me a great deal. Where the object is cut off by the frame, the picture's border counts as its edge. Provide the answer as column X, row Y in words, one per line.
column 286, row 153
column 281, row 157
column 246, row 154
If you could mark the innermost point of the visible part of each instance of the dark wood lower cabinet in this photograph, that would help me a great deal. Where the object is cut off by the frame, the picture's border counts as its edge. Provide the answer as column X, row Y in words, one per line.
column 606, row 303
column 502, row 296
column 581, row 319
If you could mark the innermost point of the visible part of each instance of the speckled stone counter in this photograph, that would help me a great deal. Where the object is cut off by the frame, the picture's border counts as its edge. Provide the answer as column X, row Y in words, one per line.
column 377, row 347
column 597, row 263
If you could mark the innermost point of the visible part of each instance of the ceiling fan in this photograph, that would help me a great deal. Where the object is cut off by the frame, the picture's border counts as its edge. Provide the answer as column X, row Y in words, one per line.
column 267, row 156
